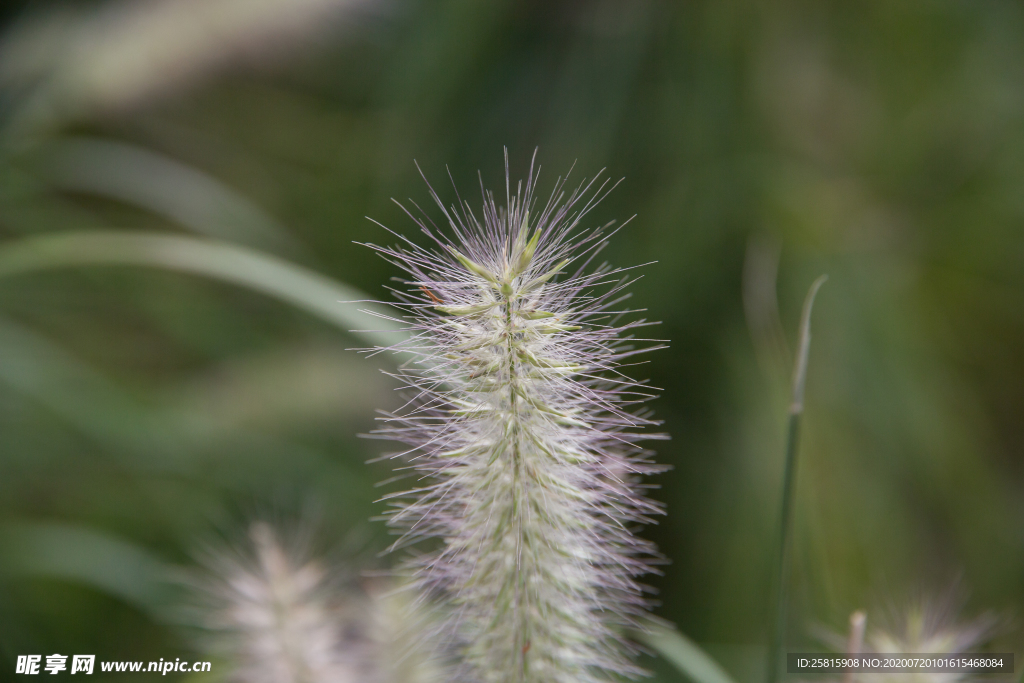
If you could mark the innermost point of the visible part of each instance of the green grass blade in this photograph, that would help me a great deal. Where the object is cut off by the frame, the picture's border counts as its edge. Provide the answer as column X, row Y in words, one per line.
column 305, row 289
column 182, row 194
column 87, row 556
column 685, row 655
column 796, row 409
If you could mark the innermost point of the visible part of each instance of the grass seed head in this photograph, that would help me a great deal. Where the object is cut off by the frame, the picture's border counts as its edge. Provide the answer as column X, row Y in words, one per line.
column 525, row 435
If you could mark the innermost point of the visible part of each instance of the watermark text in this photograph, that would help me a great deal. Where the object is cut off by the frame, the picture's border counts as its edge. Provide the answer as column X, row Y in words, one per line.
column 86, row 664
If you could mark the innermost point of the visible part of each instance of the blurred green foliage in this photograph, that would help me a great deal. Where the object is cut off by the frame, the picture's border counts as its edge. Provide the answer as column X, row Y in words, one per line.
column 762, row 144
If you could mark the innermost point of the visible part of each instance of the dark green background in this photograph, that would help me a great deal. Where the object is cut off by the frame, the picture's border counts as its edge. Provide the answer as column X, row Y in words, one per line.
column 880, row 142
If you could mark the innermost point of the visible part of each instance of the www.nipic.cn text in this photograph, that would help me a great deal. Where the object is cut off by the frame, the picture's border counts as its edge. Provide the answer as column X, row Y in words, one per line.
column 86, row 664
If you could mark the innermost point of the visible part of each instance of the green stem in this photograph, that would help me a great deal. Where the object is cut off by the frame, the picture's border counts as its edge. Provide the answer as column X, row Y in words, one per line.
column 775, row 652
column 796, row 409
column 520, row 498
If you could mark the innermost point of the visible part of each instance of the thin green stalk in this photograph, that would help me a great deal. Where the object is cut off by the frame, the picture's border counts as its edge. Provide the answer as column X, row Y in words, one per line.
column 796, row 409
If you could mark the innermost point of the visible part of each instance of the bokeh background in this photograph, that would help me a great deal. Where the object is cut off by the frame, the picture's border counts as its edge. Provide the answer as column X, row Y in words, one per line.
column 143, row 410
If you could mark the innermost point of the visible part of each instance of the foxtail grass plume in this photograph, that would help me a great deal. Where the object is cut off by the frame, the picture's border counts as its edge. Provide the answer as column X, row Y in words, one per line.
column 931, row 627
column 273, row 617
column 525, row 434
column 928, row 626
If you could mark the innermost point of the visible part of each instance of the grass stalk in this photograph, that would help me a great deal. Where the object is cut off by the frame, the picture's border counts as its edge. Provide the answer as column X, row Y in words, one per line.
column 796, row 409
